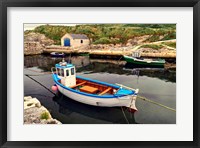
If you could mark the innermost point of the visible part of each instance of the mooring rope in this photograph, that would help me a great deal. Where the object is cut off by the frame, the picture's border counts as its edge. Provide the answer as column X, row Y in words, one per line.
column 38, row 95
column 119, row 60
column 37, row 75
column 40, row 84
column 124, row 115
column 159, row 104
column 39, row 71
column 145, row 99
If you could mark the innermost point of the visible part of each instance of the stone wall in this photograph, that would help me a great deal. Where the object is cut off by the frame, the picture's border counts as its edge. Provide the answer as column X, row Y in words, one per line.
column 31, row 48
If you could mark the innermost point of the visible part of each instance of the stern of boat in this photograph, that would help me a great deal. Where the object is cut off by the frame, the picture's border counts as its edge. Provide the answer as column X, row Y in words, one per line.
column 132, row 107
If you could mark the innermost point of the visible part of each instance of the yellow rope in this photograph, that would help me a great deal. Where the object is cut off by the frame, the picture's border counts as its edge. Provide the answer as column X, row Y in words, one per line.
column 145, row 99
column 124, row 115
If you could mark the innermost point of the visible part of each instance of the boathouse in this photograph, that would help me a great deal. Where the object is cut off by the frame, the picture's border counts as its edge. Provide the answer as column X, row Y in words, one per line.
column 74, row 40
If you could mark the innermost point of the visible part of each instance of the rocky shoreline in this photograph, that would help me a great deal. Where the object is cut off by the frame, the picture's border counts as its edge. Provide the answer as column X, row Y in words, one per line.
column 35, row 113
column 35, row 43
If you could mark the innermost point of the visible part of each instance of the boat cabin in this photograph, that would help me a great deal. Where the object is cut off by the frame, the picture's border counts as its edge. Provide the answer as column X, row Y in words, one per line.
column 67, row 77
column 66, row 72
column 136, row 54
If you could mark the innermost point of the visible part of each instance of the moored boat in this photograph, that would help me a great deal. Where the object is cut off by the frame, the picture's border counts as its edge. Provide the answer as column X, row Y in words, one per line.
column 57, row 54
column 92, row 92
column 144, row 62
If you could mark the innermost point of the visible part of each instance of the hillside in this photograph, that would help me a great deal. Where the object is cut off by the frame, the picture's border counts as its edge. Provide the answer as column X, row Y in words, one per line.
column 111, row 33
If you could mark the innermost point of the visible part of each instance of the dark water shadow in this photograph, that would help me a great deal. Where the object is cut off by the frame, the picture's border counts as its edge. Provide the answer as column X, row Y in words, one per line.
column 154, row 72
column 68, row 106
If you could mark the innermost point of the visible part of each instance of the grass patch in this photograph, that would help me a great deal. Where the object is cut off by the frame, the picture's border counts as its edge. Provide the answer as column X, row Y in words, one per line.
column 169, row 36
column 153, row 38
column 170, row 44
column 45, row 115
column 153, row 46
column 103, row 40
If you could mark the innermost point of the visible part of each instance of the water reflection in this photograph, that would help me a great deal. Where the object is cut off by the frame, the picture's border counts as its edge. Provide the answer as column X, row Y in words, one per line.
column 46, row 62
column 69, row 107
column 84, row 64
column 155, row 84
column 116, row 67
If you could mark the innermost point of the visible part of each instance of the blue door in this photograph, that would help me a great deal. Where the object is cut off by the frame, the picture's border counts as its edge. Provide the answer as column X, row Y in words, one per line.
column 66, row 42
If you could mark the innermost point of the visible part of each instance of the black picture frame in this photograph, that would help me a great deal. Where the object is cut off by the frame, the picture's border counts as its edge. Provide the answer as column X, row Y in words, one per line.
column 98, row 3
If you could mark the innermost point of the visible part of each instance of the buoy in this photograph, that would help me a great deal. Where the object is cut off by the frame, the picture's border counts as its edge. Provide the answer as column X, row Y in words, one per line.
column 54, row 88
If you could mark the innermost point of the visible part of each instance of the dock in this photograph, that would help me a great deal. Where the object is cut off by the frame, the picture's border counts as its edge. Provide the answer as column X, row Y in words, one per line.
column 109, row 54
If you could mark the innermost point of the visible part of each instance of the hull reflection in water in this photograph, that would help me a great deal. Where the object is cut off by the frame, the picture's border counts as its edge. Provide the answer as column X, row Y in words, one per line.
column 161, row 73
column 87, row 114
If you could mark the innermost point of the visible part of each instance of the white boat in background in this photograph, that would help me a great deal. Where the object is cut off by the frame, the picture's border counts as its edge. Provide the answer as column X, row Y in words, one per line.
column 57, row 54
column 89, row 91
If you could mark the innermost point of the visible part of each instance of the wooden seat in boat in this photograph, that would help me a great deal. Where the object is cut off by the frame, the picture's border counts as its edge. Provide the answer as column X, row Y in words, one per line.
column 89, row 89
column 79, row 84
column 105, row 91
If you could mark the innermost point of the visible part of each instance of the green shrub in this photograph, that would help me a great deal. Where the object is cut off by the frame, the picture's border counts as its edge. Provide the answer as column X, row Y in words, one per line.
column 45, row 115
column 102, row 40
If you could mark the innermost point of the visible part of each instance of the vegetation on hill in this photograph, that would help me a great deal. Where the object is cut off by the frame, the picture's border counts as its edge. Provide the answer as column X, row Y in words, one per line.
column 110, row 33
column 153, row 46
column 171, row 44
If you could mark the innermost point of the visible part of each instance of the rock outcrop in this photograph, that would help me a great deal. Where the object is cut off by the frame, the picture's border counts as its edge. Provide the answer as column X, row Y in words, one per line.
column 34, row 43
column 35, row 113
column 137, row 40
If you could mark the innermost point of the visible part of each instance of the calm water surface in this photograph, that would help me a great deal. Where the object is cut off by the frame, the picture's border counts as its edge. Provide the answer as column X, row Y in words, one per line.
column 155, row 84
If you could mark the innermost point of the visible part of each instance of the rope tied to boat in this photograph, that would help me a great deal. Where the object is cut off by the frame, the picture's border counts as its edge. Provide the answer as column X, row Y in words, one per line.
column 124, row 115
column 148, row 100
column 42, row 73
column 159, row 104
column 40, row 84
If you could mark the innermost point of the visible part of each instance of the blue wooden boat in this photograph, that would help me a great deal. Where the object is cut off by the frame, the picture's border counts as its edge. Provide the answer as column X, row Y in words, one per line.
column 89, row 91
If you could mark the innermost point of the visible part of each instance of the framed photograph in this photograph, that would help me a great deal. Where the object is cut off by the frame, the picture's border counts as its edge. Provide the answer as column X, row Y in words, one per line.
column 105, row 73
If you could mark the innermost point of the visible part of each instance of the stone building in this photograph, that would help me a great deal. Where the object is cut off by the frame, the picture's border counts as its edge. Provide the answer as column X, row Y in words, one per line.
column 74, row 40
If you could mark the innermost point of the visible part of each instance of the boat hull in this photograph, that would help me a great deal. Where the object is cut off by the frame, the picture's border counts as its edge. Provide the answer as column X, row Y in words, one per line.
column 140, row 63
column 57, row 55
column 104, row 101
column 122, row 101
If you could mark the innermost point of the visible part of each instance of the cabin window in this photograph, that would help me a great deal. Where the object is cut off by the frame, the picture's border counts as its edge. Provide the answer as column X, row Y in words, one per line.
column 72, row 71
column 81, row 41
column 62, row 72
column 67, row 72
column 58, row 71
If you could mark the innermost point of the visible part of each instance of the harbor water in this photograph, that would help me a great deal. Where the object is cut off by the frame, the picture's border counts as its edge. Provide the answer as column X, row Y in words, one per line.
column 158, row 85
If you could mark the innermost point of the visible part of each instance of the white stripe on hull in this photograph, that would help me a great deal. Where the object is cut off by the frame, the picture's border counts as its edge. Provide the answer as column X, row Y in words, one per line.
column 127, row 101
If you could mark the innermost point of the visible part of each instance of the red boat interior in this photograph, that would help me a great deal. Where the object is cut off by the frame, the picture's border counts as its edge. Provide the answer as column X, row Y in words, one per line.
column 93, row 88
